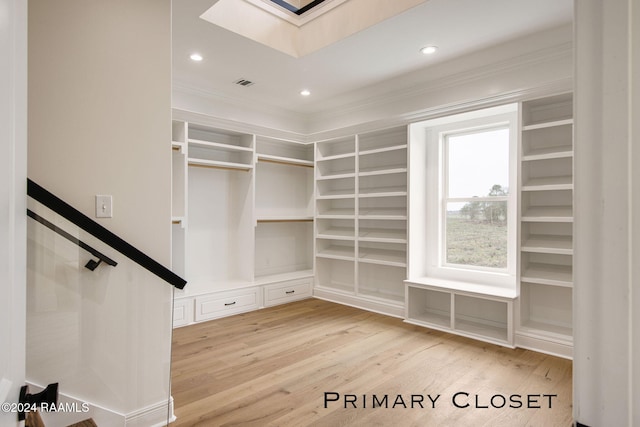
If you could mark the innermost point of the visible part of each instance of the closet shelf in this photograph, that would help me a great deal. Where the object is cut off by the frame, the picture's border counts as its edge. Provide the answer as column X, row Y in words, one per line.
column 332, row 195
column 284, row 160
column 335, row 157
column 382, row 235
column 548, row 274
column 548, row 183
column 548, row 214
column 218, row 145
column 337, row 252
column 336, row 175
column 216, row 164
column 559, row 152
column 548, row 124
column 548, row 244
column 383, row 257
column 383, row 192
column 375, row 213
column 337, row 213
column 383, row 149
column 337, row 233
column 382, row 170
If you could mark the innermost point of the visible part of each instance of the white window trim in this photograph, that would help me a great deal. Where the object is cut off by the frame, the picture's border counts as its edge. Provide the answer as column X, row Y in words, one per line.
column 435, row 129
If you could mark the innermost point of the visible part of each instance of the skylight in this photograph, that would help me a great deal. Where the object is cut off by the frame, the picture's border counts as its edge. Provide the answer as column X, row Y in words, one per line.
column 298, row 7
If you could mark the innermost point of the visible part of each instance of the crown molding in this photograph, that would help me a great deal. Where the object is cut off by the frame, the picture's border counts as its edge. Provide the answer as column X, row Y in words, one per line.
column 428, row 85
column 238, row 126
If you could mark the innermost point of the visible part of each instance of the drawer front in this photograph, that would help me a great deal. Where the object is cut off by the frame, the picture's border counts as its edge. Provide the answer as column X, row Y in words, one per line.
column 225, row 304
column 281, row 293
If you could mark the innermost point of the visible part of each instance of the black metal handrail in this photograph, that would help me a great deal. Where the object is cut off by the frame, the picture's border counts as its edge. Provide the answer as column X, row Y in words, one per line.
column 90, row 226
column 91, row 265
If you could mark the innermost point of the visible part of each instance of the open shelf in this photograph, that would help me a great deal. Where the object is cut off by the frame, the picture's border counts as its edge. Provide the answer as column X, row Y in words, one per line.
column 336, row 274
column 478, row 316
column 387, row 235
column 383, row 256
column 548, row 183
column 548, row 274
column 548, row 153
column 283, row 151
column 547, row 111
column 361, row 213
column 545, row 310
column 546, row 242
column 548, row 214
column 381, row 282
column 335, row 249
column 284, row 160
column 335, row 148
column 341, row 229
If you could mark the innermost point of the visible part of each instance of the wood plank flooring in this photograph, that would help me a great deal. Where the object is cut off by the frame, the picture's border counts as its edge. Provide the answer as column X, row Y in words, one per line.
column 272, row 367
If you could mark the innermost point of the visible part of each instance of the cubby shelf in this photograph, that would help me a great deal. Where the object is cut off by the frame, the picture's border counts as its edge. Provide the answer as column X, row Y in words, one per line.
column 546, row 243
column 548, row 124
column 480, row 316
column 382, row 235
column 363, row 213
column 242, row 240
column 548, row 214
column 548, row 183
column 548, row 153
column 548, row 274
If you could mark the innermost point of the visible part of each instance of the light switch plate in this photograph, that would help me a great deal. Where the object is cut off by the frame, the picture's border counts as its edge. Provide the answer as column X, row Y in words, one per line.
column 104, row 206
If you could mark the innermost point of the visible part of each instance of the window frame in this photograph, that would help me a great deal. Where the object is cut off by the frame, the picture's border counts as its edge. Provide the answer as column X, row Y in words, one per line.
column 436, row 176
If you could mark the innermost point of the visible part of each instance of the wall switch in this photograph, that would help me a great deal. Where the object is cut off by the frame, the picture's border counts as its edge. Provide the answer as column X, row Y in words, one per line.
column 104, row 206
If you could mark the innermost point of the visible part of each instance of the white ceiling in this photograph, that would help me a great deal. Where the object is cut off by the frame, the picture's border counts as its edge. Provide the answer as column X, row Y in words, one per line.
column 368, row 58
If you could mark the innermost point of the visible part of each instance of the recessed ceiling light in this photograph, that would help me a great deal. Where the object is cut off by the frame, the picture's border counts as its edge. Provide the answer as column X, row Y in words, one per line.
column 305, row 92
column 428, row 50
column 196, row 57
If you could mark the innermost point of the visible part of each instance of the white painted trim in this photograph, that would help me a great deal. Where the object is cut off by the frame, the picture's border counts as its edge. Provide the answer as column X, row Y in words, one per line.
column 360, row 302
column 545, row 346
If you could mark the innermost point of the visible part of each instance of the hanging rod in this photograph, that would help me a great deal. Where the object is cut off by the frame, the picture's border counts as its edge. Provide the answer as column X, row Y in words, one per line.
column 91, row 264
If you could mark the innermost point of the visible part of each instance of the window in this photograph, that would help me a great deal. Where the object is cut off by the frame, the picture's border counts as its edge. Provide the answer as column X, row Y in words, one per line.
column 469, row 208
column 475, row 199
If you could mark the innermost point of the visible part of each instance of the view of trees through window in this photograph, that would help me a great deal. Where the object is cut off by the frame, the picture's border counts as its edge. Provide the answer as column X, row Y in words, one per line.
column 477, row 233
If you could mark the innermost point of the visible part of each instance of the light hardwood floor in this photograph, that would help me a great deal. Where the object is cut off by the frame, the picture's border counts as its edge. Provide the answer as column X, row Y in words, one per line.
column 272, row 367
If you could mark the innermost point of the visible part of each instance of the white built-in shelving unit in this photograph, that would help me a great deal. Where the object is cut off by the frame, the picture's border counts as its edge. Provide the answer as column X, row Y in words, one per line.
column 242, row 221
column 361, row 220
column 546, row 225
column 284, row 213
column 259, row 220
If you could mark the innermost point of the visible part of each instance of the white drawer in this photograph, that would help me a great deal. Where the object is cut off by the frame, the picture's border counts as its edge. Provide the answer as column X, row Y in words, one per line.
column 226, row 303
column 280, row 293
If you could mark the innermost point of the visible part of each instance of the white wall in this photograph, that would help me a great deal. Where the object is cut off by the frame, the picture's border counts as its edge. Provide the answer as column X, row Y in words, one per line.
column 13, row 144
column 100, row 111
column 607, row 214
column 99, row 77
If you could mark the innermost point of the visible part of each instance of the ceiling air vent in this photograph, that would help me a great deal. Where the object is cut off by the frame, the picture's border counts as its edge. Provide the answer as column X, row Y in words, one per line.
column 243, row 82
